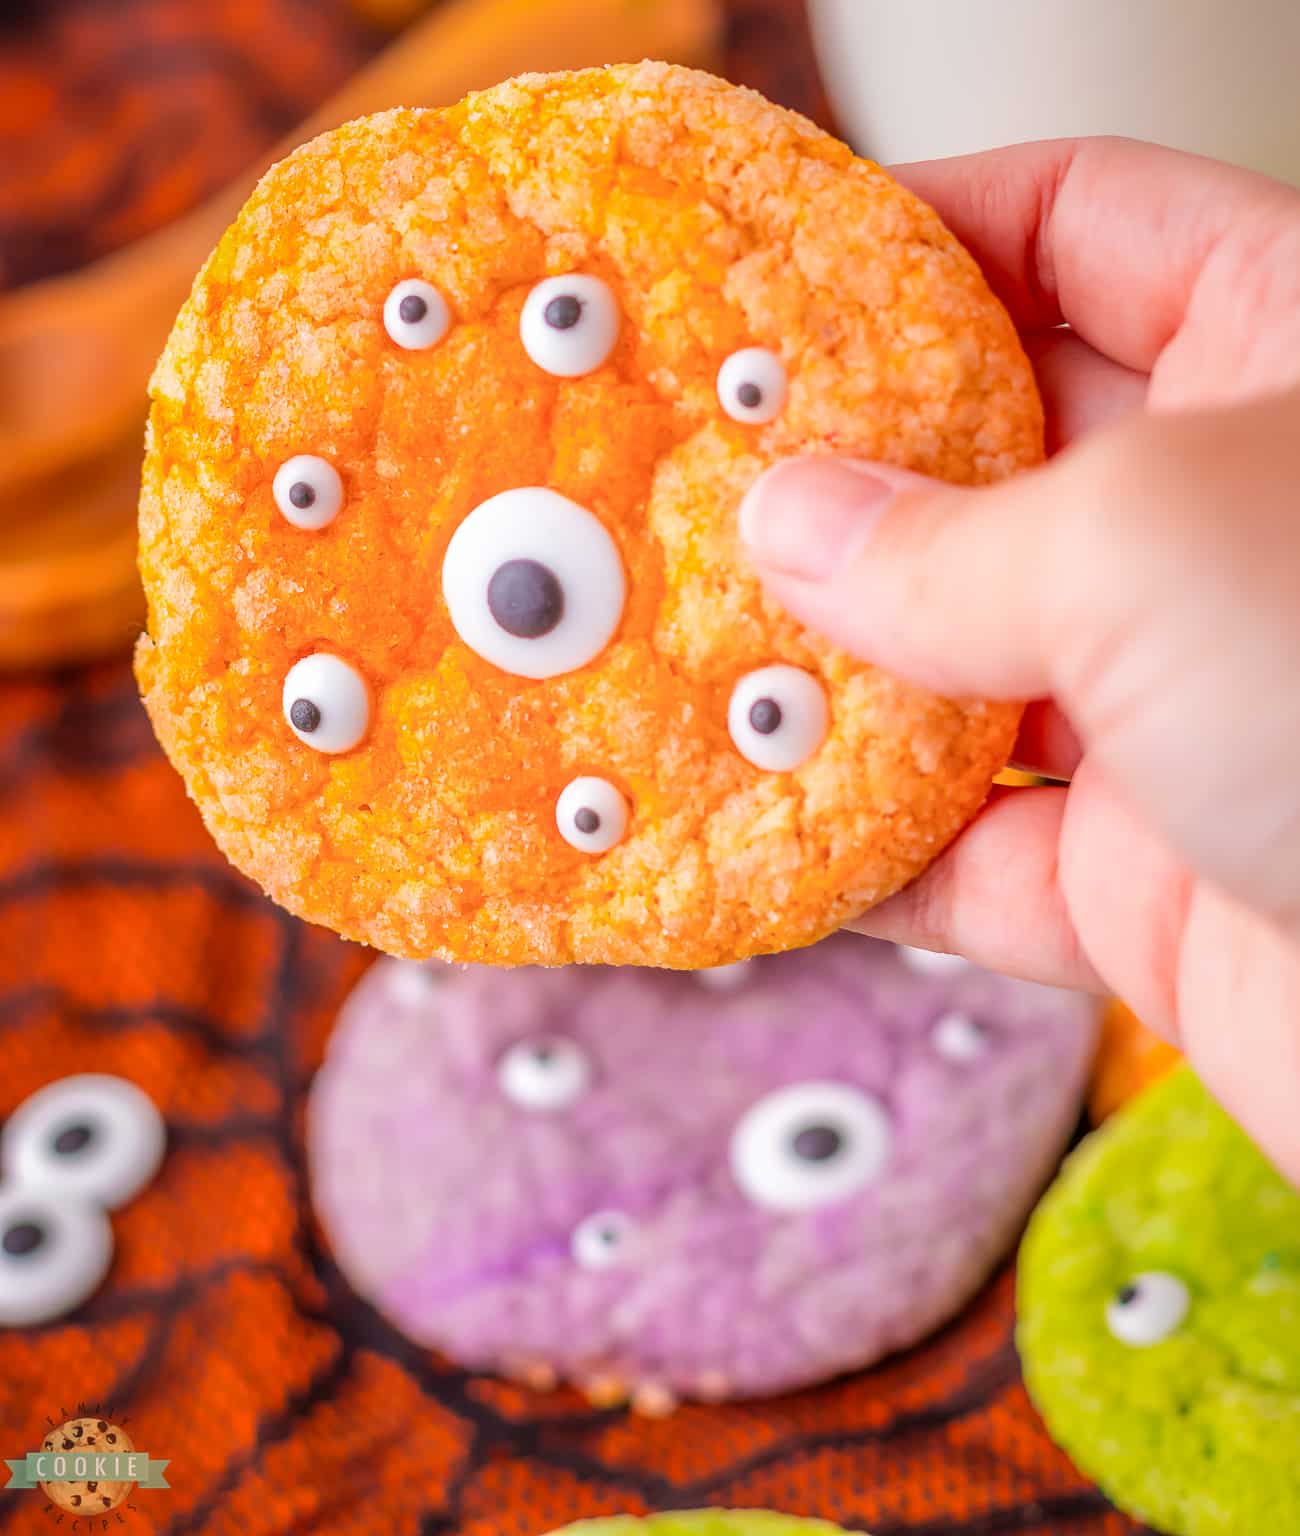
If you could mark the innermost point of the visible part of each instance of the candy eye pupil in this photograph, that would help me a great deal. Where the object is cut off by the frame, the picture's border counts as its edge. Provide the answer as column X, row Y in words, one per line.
column 412, row 309
column 302, row 495
column 817, row 1143
column 765, row 716
column 1127, row 1295
column 586, row 820
column 73, row 1139
column 22, row 1238
column 563, row 312
column 525, row 598
column 749, row 395
column 304, row 715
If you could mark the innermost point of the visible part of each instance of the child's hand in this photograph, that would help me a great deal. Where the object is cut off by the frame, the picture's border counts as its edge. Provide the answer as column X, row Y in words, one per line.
column 1143, row 588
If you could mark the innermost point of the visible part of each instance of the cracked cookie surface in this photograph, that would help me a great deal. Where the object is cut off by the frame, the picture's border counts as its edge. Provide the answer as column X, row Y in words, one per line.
column 529, row 745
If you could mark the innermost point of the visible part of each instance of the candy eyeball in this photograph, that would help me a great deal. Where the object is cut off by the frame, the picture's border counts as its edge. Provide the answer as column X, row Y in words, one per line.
column 1147, row 1309
column 602, row 1240
column 591, row 815
column 778, row 717
column 726, row 978
column 533, row 583
column 569, row 325
column 959, row 1037
column 55, row 1249
column 752, row 385
column 308, row 491
column 92, row 1136
column 546, row 1073
column 326, row 703
column 809, row 1145
column 416, row 315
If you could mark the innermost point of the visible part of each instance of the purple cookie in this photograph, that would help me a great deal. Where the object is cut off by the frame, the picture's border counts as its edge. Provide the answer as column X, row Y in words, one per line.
column 716, row 1185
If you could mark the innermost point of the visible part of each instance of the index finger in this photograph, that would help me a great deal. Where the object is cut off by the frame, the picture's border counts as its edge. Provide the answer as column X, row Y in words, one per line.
column 1110, row 236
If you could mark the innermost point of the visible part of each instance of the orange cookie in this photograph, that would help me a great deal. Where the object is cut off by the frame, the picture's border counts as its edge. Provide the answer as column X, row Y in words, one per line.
column 450, row 632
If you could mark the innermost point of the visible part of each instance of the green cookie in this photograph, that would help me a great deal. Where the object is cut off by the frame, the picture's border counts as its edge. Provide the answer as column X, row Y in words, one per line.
column 1159, row 1302
column 704, row 1522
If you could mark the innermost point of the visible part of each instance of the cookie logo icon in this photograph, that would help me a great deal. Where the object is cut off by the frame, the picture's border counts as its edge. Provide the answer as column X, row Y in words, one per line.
column 90, row 1441
column 88, row 1466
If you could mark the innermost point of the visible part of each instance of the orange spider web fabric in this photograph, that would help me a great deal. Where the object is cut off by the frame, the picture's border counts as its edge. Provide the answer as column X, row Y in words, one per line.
column 225, row 1335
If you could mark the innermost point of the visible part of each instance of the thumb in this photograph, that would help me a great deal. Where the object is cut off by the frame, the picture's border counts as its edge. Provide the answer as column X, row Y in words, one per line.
column 951, row 587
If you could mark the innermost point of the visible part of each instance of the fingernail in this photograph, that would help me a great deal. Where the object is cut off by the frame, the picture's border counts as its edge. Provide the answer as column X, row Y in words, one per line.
column 807, row 517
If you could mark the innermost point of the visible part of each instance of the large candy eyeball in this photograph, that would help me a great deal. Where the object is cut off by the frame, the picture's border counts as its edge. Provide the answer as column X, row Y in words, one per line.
column 930, row 962
column 591, row 815
column 777, row 717
column 1148, row 1309
column 725, row 978
column 416, row 315
column 752, row 385
column 959, row 1037
column 94, row 1136
column 533, row 583
column 569, row 325
column 326, row 703
column 308, row 491
column 546, row 1073
column 809, row 1145
column 602, row 1240
column 55, row 1249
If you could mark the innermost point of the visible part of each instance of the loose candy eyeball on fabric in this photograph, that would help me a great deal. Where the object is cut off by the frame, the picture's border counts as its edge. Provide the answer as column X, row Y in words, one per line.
column 475, row 453
column 1159, row 1316
column 658, row 1188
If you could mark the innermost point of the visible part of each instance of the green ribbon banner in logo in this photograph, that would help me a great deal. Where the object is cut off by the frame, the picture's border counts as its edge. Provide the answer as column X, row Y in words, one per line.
column 81, row 1466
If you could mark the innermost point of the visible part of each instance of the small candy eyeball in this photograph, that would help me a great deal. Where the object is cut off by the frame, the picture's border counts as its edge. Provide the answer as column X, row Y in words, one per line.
column 808, row 1145
column 308, row 491
column 931, row 962
column 533, row 583
column 93, row 1136
column 546, row 1073
column 602, row 1240
column 778, row 717
column 569, row 324
column 411, row 982
column 1147, row 1309
column 326, row 703
column 55, row 1249
column 591, row 815
column 725, row 978
column 752, row 385
column 416, row 315
column 958, row 1036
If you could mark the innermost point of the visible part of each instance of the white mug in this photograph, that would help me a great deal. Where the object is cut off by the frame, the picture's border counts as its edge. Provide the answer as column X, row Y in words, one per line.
column 917, row 79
